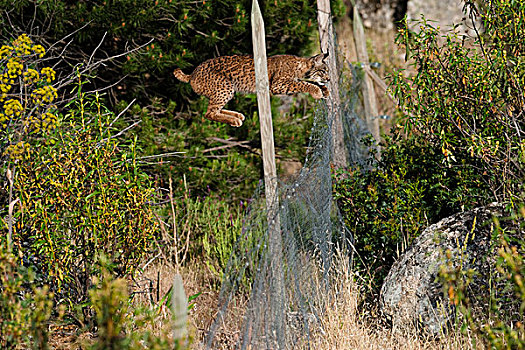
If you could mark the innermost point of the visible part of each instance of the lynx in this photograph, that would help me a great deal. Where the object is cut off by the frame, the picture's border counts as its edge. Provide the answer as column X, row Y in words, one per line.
column 219, row 78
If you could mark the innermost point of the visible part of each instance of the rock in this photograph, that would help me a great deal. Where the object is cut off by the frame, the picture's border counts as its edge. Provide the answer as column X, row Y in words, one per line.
column 442, row 13
column 381, row 14
column 384, row 14
column 411, row 294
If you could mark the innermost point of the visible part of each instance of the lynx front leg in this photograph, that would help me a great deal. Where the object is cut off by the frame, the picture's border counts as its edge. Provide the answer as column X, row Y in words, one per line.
column 293, row 87
column 325, row 91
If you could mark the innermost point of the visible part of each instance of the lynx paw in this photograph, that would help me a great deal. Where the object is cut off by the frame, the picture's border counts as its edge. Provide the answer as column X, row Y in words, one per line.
column 236, row 122
column 317, row 93
column 233, row 114
column 325, row 91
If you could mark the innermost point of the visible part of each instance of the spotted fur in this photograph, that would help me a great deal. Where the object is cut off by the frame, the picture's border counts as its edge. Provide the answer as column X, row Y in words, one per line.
column 219, row 78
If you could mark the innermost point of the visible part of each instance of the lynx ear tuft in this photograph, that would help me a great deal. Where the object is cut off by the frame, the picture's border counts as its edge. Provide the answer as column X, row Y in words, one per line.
column 318, row 59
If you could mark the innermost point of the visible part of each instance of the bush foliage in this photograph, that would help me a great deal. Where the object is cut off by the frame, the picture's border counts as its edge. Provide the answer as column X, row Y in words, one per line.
column 81, row 191
column 458, row 140
column 81, row 196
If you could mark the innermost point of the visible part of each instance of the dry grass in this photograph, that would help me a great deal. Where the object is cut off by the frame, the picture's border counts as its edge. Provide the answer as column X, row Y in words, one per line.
column 344, row 325
column 197, row 278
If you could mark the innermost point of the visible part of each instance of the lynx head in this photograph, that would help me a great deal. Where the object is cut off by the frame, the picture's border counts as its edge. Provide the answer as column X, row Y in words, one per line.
column 318, row 73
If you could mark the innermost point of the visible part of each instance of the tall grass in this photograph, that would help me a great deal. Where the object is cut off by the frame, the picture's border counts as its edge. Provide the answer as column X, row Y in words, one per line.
column 345, row 324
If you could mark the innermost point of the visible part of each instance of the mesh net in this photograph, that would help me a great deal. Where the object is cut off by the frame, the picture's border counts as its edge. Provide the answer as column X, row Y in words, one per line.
column 283, row 261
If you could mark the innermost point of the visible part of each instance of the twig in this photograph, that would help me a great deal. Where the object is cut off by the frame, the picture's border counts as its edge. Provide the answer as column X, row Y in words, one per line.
column 10, row 178
column 120, row 132
column 151, row 260
column 121, row 113
column 228, row 145
column 243, row 144
column 170, row 154
column 96, row 48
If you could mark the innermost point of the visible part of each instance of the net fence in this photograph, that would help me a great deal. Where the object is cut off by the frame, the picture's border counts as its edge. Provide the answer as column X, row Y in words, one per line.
column 278, row 277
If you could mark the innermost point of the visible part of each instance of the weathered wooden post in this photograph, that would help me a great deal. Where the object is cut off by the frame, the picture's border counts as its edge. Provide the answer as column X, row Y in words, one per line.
column 265, row 119
column 369, row 95
column 265, row 114
column 276, row 287
column 327, row 42
column 179, row 308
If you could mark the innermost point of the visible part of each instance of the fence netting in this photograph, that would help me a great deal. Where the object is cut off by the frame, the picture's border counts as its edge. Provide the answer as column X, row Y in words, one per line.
column 278, row 279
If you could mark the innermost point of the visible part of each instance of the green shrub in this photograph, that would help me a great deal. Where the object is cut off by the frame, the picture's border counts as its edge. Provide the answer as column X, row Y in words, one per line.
column 24, row 313
column 457, row 142
column 82, row 194
column 388, row 206
column 466, row 99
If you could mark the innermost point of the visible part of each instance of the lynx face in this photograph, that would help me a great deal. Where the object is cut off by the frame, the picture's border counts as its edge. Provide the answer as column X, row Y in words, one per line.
column 318, row 74
column 219, row 78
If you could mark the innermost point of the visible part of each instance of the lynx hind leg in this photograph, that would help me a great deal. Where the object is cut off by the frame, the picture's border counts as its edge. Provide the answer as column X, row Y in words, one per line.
column 218, row 115
column 233, row 114
column 219, row 94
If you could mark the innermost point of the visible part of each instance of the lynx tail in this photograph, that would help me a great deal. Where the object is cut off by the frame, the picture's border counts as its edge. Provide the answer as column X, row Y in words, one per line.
column 181, row 76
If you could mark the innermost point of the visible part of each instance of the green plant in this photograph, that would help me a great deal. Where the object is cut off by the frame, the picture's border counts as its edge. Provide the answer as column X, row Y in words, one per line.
column 386, row 207
column 82, row 194
column 467, row 96
column 122, row 327
column 500, row 322
column 25, row 309
column 224, row 226
column 210, row 224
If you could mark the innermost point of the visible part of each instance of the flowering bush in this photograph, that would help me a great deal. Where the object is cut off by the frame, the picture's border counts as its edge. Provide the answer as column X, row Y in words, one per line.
column 79, row 190
column 26, row 96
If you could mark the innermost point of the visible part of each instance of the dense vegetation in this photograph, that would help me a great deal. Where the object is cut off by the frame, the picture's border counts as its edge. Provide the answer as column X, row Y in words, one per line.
column 457, row 144
column 176, row 34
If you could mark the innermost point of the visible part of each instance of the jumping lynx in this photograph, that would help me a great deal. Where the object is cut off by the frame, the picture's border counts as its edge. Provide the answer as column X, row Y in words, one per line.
column 219, row 78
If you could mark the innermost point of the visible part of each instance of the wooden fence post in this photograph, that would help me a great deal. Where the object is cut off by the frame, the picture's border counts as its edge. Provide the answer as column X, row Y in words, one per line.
column 327, row 42
column 276, row 283
column 265, row 119
column 369, row 95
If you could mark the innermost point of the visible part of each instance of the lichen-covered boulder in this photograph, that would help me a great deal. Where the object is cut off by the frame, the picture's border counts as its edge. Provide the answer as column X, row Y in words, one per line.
column 412, row 295
column 381, row 14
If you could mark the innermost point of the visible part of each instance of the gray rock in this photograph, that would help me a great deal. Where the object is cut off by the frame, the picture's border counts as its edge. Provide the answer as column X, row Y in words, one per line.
column 411, row 294
column 381, row 14
column 444, row 12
